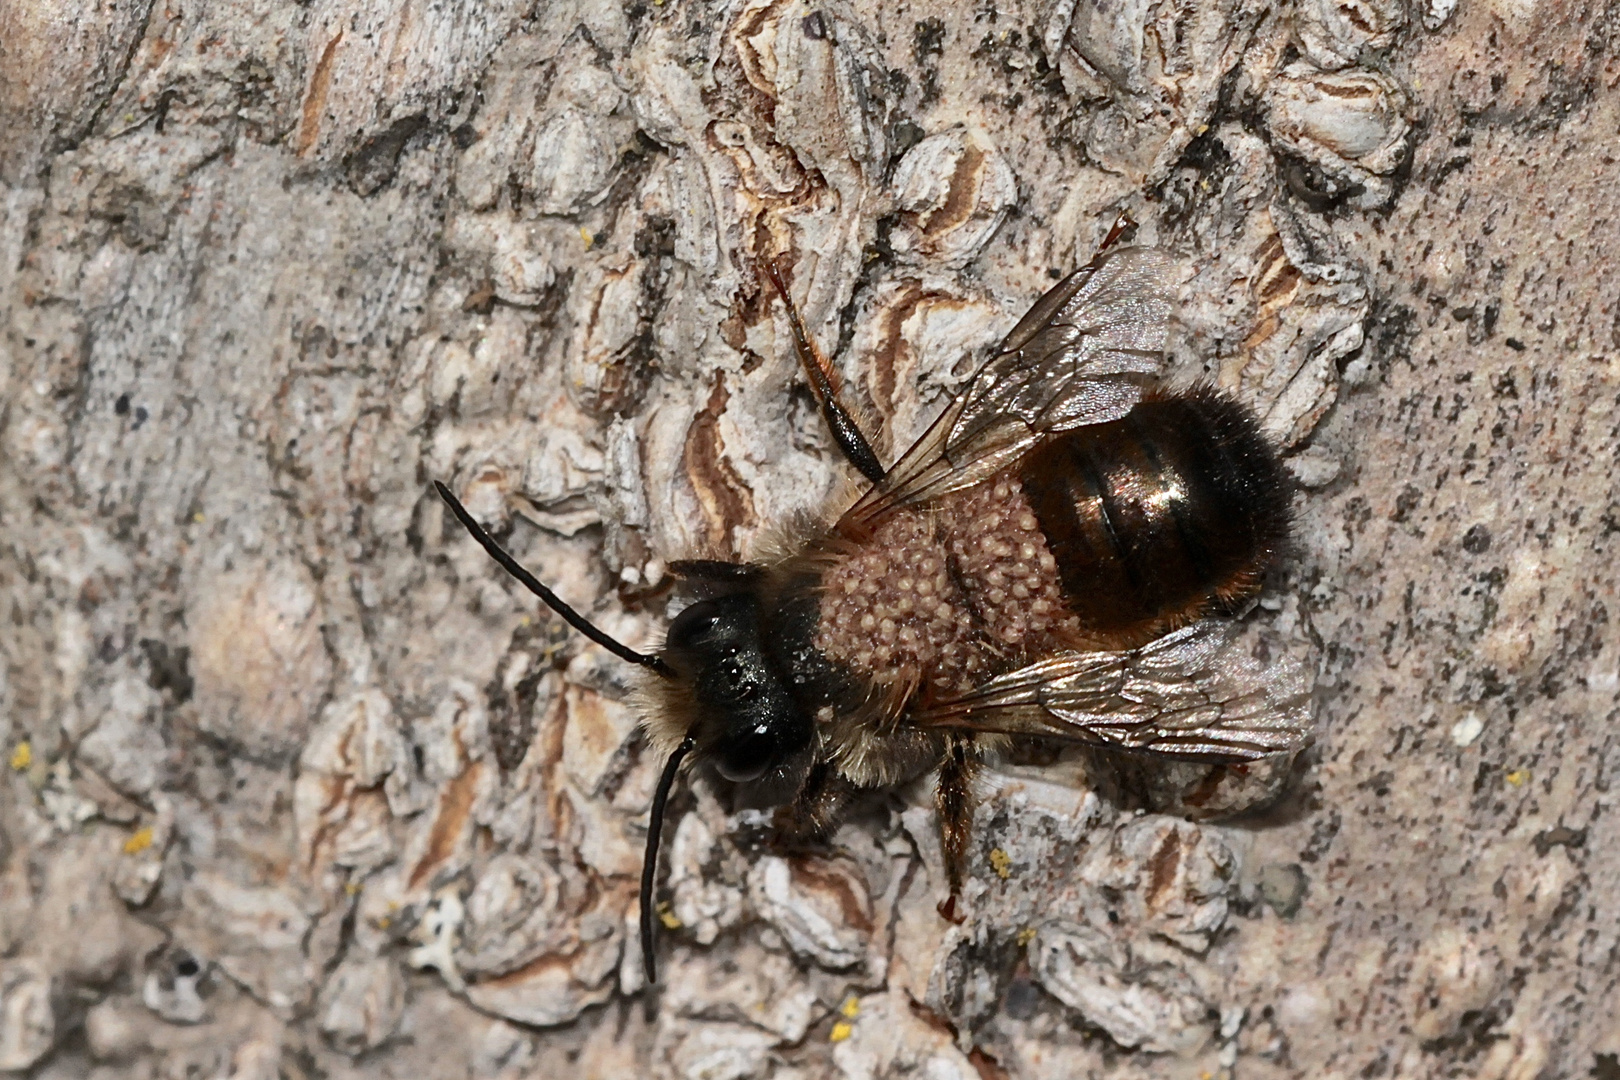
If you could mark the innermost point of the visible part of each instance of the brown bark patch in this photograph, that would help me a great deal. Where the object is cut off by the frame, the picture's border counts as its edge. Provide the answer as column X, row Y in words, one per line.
column 1162, row 867
column 726, row 501
column 455, row 808
column 320, row 83
column 1276, row 279
column 826, row 880
column 961, row 196
column 528, row 971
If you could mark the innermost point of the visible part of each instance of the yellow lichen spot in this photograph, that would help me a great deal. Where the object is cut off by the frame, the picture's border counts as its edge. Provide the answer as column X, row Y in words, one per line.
column 851, row 1008
column 667, row 917
column 1025, row 936
column 1001, row 863
column 384, row 922
column 840, row 1031
column 138, row 841
column 1519, row 777
column 198, row 517
column 351, row 888
column 22, row 755
column 585, row 235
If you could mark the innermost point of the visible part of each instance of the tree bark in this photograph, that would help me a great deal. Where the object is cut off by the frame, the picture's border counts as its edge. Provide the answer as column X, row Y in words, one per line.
column 301, row 785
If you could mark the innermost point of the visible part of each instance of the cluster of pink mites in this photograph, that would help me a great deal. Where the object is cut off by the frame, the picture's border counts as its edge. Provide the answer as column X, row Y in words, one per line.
column 1010, row 574
column 946, row 597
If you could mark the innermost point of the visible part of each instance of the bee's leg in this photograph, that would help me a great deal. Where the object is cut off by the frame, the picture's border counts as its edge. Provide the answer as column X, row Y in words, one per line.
column 953, row 796
column 823, row 379
column 1123, row 224
column 815, row 811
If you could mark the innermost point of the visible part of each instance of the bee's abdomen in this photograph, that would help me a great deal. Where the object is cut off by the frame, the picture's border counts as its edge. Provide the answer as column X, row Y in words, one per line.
column 1170, row 513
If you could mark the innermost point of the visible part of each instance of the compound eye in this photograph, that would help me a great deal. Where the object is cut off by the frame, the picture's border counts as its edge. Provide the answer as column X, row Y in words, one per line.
column 749, row 754
column 694, row 624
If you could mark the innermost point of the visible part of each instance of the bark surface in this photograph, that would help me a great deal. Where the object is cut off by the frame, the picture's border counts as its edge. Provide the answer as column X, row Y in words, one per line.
column 298, row 784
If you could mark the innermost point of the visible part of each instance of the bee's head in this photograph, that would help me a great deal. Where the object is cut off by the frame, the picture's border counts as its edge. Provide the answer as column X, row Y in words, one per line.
column 730, row 703
column 746, row 721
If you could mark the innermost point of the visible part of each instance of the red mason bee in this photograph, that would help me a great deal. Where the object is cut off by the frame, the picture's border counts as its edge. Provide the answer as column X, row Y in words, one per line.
column 1057, row 556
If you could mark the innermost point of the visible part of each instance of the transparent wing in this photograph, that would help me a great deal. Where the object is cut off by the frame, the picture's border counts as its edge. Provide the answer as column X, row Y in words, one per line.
column 1080, row 356
column 1196, row 692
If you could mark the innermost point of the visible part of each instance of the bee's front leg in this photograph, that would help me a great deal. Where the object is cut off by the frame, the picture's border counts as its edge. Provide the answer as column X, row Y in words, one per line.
column 815, row 810
column 824, row 384
column 953, row 796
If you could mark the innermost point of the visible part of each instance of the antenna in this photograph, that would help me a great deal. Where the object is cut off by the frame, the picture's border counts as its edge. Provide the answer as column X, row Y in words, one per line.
column 649, row 861
column 655, row 823
column 551, row 599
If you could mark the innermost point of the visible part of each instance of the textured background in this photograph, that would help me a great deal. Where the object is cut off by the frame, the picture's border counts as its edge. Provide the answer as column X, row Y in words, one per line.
column 300, row 786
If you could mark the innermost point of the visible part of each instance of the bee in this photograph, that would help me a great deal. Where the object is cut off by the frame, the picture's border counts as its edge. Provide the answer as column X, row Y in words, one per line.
column 1058, row 556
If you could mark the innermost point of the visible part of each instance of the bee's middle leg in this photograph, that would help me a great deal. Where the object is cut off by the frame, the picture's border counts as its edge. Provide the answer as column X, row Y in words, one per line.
column 953, row 797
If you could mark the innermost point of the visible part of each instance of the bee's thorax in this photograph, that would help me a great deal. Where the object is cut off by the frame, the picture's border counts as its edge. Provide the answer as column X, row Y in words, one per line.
column 946, row 598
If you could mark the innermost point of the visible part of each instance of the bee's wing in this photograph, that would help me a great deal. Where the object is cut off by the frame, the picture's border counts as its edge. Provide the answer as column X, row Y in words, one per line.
column 1080, row 356
column 1195, row 692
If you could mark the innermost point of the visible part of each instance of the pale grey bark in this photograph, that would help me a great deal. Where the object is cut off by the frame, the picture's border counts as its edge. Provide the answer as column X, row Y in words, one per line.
column 299, row 785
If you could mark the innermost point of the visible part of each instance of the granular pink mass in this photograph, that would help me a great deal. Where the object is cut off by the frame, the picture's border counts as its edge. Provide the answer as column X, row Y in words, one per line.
column 948, row 597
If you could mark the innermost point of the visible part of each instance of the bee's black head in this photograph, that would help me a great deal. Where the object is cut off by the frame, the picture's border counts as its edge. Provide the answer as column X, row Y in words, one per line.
column 747, row 720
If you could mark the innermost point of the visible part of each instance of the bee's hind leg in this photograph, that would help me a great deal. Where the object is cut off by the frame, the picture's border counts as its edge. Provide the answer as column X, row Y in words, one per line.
column 816, row 810
column 953, row 797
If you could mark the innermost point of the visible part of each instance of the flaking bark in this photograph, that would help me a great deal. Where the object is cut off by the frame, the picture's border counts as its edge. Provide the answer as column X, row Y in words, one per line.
column 299, row 785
